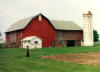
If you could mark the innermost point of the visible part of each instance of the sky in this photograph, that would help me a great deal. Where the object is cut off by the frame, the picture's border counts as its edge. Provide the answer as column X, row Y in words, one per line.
column 67, row 10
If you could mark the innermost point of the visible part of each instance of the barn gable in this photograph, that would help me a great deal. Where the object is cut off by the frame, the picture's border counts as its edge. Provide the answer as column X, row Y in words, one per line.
column 41, row 28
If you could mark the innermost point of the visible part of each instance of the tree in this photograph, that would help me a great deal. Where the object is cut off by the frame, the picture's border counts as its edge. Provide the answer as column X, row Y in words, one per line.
column 95, row 35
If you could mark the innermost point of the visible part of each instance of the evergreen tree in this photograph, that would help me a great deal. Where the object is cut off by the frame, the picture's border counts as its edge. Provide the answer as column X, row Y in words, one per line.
column 95, row 35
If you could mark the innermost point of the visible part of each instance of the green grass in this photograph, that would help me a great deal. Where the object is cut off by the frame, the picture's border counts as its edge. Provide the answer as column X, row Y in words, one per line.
column 15, row 60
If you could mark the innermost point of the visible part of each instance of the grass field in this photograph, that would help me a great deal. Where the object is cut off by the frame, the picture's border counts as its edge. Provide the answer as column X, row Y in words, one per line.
column 15, row 60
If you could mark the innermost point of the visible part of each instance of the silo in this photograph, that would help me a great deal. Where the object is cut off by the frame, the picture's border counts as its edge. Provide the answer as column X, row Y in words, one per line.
column 87, row 29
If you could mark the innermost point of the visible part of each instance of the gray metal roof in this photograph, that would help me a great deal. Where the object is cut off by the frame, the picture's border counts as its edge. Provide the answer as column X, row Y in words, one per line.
column 65, row 25
column 59, row 25
column 19, row 24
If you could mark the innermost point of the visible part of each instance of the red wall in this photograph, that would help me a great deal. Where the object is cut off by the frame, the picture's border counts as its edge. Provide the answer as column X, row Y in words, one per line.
column 42, row 29
column 19, row 35
column 7, row 37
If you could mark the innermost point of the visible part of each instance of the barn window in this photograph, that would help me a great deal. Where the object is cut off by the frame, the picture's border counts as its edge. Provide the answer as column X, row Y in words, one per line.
column 36, row 42
column 28, row 41
column 40, row 18
column 24, row 42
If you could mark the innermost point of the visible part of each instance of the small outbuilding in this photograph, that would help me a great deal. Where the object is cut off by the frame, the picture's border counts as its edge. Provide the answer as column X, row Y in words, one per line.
column 32, row 41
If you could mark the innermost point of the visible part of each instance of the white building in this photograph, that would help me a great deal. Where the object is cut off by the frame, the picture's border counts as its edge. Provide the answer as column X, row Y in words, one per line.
column 32, row 41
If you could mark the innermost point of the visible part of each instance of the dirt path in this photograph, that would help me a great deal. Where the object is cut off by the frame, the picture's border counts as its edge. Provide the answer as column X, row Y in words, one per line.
column 81, row 58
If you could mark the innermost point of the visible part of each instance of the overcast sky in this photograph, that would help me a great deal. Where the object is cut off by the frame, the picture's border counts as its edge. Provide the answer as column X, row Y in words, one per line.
column 68, row 10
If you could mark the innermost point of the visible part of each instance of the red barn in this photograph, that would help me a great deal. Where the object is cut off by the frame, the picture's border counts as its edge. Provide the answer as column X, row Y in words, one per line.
column 52, row 32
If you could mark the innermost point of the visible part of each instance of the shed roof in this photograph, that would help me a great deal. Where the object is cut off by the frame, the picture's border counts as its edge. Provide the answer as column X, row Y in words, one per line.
column 58, row 25
column 29, row 38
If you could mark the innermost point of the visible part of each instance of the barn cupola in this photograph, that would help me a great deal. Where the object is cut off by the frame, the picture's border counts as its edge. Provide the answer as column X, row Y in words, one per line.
column 87, row 29
column 40, row 17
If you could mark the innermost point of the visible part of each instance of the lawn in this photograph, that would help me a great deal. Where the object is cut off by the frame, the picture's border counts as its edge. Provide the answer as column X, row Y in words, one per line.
column 15, row 60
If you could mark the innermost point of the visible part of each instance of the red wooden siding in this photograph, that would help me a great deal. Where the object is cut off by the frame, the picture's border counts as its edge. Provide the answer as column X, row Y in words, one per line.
column 19, row 35
column 69, row 35
column 43, row 29
column 7, row 37
column 12, row 38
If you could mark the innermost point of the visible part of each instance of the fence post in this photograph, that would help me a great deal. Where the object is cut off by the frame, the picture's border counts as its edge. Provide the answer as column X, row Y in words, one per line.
column 27, row 51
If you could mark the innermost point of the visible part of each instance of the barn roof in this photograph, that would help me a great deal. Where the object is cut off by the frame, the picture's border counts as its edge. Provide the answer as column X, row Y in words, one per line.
column 20, row 24
column 65, row 25
column 58, row 25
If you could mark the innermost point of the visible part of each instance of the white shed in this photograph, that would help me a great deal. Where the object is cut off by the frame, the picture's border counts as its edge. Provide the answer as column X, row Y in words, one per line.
column 32, row 41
